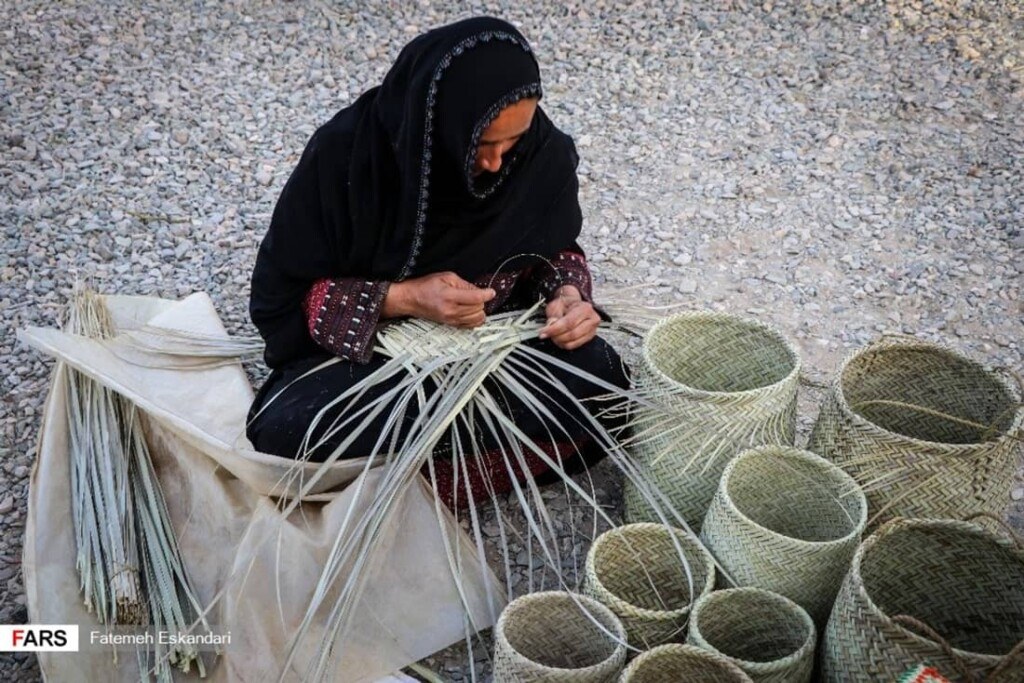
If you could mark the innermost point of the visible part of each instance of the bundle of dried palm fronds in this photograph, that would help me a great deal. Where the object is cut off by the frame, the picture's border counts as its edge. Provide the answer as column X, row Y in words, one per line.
column 442, row 377
column 128, row 559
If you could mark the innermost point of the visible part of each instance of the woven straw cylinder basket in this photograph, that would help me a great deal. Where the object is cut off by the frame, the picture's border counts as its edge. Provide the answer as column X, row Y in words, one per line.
column 718, row 385
column 963, row 587
column 894, row 419
column 637, row 572
column 676, row 663
column 549, row 637
column 787, row 521
column 768, row 636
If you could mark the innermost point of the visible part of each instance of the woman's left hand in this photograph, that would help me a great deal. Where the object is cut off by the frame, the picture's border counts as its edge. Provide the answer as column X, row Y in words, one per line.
column 572, row 322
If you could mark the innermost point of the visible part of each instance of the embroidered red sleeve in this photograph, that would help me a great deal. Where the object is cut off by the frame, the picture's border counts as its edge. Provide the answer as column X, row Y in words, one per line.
column 342, row 315
column 570, row 268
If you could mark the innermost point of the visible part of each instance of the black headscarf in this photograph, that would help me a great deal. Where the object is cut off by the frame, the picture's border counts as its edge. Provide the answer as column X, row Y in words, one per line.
column 383, row 191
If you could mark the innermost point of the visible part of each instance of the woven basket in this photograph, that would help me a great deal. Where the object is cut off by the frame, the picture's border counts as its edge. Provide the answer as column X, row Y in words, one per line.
column 767, row 635
column 930, row 466
column 719, row 385
column 954, row 577
column 549, row 637
column 787, row 521
column 636, row 572
column 674, row 663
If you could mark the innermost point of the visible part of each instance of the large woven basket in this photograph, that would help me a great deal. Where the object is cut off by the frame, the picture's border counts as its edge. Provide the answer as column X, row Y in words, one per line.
column 894, row 419
column 787, row 521
column 675, row 663
column 719, row 385
column 553, row 637
column 767, row 635
column 637, row 572
column 954, row 578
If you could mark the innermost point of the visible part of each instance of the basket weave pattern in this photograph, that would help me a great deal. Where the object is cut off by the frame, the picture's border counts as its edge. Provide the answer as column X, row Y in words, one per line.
column 960, row 580
column 723, row 384
column 636, row 571
column 767, row 635
column 787, row 521
column 548, row 637
column 674, row 663
column 931, row 466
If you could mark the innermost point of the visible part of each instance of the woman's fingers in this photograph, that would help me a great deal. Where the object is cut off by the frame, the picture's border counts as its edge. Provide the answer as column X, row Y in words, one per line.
column 469, row 320
column 575, row 328
column 475, row 297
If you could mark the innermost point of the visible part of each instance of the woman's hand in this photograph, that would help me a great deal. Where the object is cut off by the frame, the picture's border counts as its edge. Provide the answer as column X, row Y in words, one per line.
column 441, row 297
column 572, row 322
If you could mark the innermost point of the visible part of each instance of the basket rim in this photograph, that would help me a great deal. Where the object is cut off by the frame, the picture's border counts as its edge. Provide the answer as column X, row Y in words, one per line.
column 616, row 603
column 880, row 346
column 791, row 452
column 694, row 392
column 688, row 649
column 759, row 667
column 595, row 605
column 895, row 526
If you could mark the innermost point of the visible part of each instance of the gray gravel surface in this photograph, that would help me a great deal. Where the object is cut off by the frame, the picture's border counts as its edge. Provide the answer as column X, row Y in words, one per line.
column 838, row 168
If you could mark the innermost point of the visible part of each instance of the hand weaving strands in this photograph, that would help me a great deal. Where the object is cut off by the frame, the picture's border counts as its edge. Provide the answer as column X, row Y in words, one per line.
column 128, row 558
column 944, row 592
column 673, row 663
column 714, row 385
column 787, row 521
column 635, row 571
column 558, row 638
column 455, row 364
column 925, row 431
column 767, row 635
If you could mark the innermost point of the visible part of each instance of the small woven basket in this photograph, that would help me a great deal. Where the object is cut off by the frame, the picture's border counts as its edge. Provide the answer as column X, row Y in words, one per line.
column 549, row 637
column 896, row 420
column 787, row 521
column 767, row 635
column 636, row 571
column 718, row 385
column 962, row 585
column 674, row 663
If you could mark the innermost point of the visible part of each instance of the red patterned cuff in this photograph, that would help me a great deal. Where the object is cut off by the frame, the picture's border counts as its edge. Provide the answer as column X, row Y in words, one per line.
column 342, row 314
column 570, row 269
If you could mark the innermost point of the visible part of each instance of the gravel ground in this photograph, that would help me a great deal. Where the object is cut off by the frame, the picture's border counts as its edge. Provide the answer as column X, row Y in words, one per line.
column 837, row 168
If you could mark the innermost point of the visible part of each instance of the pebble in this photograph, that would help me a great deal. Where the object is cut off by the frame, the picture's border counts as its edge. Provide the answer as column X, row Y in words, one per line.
column 6, row 505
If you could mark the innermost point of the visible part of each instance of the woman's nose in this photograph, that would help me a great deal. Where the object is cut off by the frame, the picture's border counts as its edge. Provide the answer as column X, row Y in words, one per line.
column 490, row 159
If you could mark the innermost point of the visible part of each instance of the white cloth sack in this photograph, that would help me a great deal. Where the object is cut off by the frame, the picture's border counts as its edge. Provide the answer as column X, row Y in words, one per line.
column 236, row 544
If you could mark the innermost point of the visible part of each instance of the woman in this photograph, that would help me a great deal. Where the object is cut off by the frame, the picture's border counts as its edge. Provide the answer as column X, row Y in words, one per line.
column 431, row 196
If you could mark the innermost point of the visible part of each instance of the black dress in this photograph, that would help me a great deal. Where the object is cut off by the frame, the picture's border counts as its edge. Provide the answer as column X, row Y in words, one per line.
column 384, row 192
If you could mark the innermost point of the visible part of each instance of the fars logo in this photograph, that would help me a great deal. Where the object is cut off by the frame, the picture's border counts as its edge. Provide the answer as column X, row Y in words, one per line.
column 39, row 638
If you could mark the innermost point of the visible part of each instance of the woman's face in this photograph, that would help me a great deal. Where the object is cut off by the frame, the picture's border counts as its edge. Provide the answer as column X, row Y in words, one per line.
column 504, row 132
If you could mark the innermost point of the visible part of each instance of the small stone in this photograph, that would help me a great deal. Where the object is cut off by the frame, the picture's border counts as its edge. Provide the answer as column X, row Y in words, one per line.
column 688, row 286
column 1018, row 494
column 977, row 268
column 180, row 136
column 6, row 505
column 264, row 178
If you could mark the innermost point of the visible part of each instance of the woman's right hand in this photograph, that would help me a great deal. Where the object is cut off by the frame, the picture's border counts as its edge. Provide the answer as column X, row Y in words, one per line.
column 441, row 297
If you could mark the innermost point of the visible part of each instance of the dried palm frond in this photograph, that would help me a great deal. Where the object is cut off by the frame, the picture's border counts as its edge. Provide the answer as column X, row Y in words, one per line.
column 164, row 347
column 127, row 554
column 440, row 378
column 108, row 561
